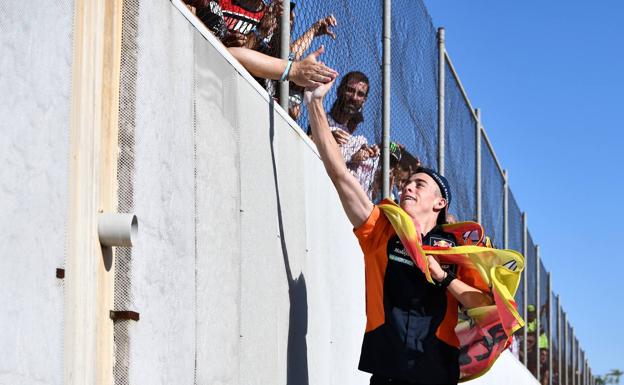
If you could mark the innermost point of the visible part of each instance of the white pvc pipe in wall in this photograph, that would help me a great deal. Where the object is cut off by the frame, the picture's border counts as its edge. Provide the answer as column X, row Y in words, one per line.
column 117, row 229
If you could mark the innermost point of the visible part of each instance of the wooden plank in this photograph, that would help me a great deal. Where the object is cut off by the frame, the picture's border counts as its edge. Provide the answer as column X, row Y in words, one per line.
column 93, row 189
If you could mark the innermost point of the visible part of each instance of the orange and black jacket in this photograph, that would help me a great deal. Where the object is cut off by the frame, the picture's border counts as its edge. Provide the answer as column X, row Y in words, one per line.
column 410, row 327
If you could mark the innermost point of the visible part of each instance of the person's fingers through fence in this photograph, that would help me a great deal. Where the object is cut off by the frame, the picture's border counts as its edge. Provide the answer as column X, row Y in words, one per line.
column 323, row 26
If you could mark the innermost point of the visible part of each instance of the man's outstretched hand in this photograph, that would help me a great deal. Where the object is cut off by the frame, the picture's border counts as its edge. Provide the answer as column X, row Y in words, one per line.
column 310, row 72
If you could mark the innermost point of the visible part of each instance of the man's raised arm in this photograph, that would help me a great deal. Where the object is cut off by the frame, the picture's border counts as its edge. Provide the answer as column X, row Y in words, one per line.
column 354, row 200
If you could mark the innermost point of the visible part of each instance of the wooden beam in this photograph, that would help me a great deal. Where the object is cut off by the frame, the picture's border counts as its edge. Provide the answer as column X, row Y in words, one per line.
column 93, row 189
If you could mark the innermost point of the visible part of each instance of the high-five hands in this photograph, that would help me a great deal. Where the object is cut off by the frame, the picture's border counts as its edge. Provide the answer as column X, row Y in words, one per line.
column 311, row 73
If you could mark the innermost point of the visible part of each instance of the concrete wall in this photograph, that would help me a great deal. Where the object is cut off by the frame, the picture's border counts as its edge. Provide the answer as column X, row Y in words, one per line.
column 35, row 89
column 245, row 270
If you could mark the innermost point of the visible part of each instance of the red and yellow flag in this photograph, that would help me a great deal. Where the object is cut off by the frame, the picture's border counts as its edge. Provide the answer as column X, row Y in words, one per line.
column 483, row 332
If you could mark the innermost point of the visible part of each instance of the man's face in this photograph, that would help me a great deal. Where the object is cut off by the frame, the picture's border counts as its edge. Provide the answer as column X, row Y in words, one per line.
column 352, row 97
column 543, row 356
column 530, row 342
column 421, row 196
column 403, row 178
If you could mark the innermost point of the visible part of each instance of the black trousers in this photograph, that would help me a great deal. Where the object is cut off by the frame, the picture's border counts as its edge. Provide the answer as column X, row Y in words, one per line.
column 379, row 380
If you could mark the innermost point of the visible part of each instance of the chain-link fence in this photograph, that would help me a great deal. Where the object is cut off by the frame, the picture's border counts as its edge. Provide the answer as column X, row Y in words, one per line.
column 414, row 83
column 354, row 105
column 492, row 192
column 429, row 114
column 515, row 242
column 459, row 150
column 356, row 47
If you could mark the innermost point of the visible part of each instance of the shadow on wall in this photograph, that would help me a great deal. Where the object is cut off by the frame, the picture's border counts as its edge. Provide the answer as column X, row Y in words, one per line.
column 297, row 360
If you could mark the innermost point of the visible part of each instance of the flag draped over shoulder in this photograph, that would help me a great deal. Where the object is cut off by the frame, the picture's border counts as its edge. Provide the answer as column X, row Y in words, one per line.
column 483, row 332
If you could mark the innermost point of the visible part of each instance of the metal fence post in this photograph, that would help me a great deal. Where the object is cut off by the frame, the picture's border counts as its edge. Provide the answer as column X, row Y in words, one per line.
column 566, row 350
column 581, row 366
column 577, row 372
column 550, row 333
column 578, row 363
column 478, row 165
column 590, row 379
column 577, row 356
column 285, row 51
column 537, row 311
column 387, row 32
column 574, row 357
column 560, row 342
column 506, row 211
column 525, row 291
column 441, row 98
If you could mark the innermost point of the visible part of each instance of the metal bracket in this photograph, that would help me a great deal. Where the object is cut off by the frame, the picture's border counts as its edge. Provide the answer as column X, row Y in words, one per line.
column 124, row 315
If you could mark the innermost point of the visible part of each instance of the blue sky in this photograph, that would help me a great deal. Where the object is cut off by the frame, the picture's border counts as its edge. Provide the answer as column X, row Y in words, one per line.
column 549, row 78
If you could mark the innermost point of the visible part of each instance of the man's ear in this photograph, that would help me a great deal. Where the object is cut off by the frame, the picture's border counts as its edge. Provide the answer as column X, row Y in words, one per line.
column 440, row 203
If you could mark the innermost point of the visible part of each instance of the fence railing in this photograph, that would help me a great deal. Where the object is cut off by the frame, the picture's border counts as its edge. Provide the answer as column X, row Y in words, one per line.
column 433, row 122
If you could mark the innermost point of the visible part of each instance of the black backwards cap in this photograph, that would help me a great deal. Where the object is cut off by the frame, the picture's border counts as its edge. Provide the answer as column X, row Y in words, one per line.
column 445, row 189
